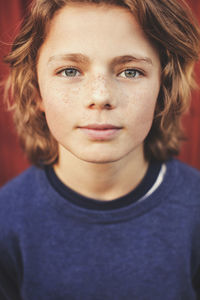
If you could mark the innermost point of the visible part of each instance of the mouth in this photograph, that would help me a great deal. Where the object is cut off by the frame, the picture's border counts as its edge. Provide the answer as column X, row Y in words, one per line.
column 100, row 131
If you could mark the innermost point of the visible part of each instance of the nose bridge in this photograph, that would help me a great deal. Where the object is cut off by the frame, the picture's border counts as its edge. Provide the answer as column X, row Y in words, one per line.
column 101, row 91
column 100, row 88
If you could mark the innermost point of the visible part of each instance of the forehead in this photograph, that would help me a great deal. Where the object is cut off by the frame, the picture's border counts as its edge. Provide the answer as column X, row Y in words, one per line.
column 96, row 29
column 74, row 14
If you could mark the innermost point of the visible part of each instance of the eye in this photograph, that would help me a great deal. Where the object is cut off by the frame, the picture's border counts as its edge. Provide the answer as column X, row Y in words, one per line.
column 69, row 72
column 131, row 73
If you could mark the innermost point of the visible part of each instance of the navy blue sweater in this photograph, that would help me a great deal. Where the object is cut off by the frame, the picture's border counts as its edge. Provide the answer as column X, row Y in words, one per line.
column 54, row 249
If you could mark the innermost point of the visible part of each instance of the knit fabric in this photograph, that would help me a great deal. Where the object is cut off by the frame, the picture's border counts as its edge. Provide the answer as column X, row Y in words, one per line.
column 144, row 187
column 53, row 249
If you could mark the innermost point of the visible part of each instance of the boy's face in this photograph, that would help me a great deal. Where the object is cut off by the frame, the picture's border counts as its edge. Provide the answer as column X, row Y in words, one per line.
column 99, row 79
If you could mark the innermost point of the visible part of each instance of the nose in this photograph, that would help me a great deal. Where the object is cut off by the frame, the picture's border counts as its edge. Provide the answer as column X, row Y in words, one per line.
column 100, row 95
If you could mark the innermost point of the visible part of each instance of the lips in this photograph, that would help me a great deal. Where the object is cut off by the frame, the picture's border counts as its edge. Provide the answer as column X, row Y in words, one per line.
column 101, row 126
column 100, row 131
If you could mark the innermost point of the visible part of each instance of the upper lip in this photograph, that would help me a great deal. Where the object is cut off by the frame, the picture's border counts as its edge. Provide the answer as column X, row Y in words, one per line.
column 100, row 126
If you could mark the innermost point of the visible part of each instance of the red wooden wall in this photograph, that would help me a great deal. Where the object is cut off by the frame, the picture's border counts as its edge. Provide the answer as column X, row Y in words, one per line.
column 191, row 148
column 12, row 160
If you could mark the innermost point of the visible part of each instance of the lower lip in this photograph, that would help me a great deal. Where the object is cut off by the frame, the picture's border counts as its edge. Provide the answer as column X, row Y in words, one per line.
column 100, row 135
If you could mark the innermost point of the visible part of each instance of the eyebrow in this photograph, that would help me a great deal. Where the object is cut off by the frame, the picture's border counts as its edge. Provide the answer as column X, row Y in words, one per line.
column 120, row 60
column 80, row 58
column 75, row 57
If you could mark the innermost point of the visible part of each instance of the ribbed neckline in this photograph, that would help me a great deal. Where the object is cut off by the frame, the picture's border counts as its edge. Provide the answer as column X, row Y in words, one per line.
column 92, row 204
column 81, row 214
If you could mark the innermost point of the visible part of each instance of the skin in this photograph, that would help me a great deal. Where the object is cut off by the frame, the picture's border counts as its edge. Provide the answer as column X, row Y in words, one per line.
column 97, row 89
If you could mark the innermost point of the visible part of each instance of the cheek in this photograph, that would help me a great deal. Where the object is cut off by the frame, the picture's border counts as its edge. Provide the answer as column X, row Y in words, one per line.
column 140, row 111
column 59, row 104
column 57, row 94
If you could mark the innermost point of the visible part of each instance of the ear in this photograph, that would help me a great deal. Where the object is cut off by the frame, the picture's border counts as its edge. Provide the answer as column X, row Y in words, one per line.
column 39, row 101
column 41, row 105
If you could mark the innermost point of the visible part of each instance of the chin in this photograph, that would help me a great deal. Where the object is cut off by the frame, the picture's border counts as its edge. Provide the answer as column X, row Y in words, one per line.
column 98, row 159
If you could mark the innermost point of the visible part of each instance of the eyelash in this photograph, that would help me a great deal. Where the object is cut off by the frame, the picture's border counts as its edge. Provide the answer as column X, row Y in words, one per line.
column 132, row 70
column 126, row 70
column 70, row 68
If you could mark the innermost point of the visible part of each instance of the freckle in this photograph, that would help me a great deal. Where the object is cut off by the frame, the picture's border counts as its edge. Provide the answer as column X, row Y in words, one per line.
column 75, row 89
column 70, row 94
column 98, row 84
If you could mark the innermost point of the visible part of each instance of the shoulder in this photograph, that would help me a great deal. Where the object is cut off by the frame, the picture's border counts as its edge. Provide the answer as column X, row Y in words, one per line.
column 21, row 185
column 21, row 194
column 185, row 181
column 188, row 173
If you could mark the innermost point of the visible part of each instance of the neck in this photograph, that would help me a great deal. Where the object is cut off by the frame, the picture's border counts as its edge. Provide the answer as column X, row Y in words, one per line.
column 106, row 181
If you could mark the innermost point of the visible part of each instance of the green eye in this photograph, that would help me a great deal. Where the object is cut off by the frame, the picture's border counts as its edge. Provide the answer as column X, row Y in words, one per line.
column 131, row 73
column 69, row 72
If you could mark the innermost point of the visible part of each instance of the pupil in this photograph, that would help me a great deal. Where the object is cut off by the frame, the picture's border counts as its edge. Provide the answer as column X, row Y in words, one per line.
column 70, row 72
column 130, row 73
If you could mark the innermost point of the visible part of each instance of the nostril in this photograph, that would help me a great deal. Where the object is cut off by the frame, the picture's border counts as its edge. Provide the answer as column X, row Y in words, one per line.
column 103, row 106
column 107, row 105
column 91, row 105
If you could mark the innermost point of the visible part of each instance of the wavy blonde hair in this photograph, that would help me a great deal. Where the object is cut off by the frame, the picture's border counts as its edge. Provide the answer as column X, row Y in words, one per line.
column 168, row 24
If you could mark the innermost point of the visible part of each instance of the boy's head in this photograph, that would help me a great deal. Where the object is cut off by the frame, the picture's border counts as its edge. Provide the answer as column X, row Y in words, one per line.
column 141, row 97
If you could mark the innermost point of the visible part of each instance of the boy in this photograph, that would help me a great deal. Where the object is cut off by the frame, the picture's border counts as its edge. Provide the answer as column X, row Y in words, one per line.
column 98, row 89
